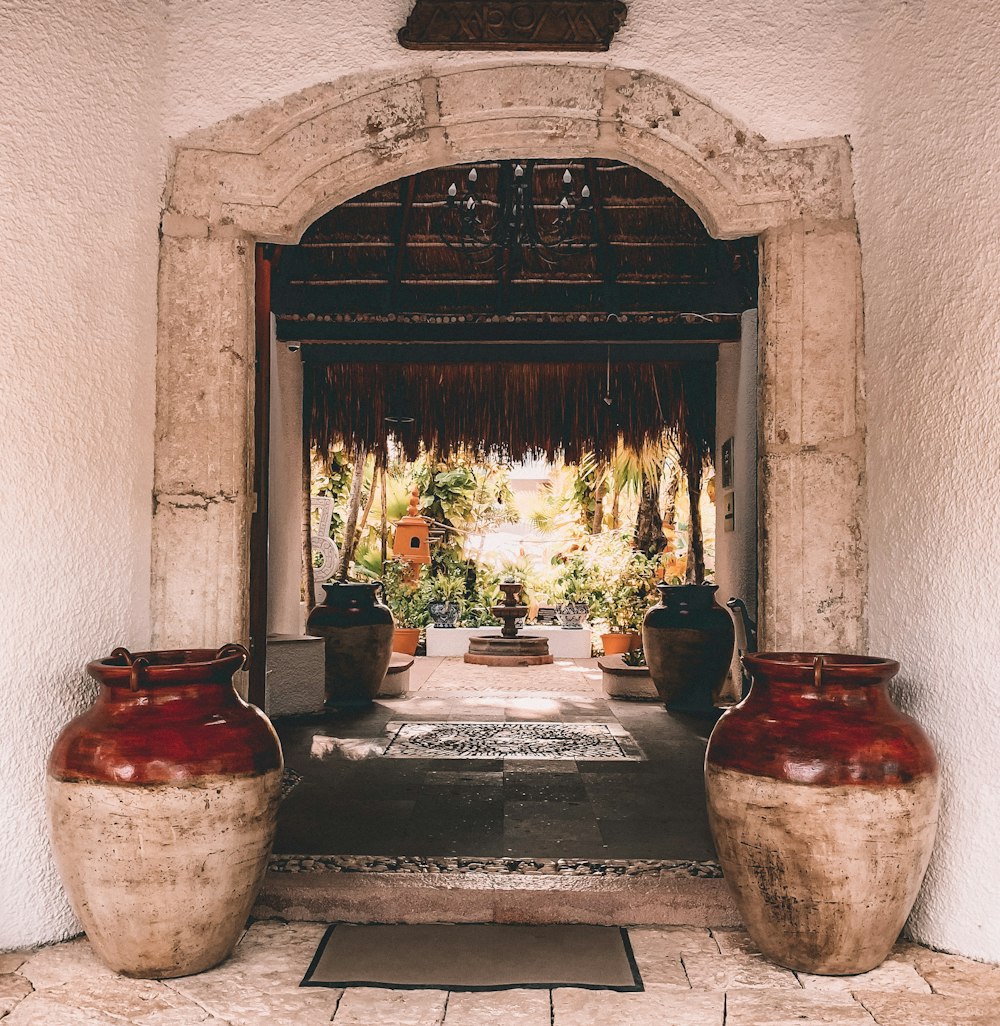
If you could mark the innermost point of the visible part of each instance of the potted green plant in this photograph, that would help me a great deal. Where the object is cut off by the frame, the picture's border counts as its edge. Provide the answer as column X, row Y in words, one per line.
column 408, row 601
column 574, row 592
column 446, row 598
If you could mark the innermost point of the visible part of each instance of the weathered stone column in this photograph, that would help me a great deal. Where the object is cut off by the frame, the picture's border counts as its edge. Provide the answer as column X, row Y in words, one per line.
column 202, row 498
column 811, row 494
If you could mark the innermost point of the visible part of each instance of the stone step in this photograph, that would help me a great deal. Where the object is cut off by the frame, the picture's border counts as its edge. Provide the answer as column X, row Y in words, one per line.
column 669, row 898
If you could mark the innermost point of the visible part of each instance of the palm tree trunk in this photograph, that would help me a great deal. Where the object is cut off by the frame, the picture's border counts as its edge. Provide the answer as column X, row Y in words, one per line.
column 649, row 536
column 353, row 506
column 366, row 512
column 670, row 506
column 695, row 572
column 600, row 490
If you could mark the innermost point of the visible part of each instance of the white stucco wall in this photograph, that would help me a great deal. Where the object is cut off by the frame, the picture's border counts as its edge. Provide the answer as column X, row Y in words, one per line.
column 80, row 176
column 90, row 89
column 927, row 165
column 790, row 69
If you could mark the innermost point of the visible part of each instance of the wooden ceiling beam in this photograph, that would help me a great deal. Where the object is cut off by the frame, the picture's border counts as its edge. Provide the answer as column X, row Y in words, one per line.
column 717, row 329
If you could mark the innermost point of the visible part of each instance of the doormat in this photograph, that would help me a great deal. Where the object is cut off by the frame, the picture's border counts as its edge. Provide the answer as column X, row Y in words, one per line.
column 513, row 740
column 474, row 956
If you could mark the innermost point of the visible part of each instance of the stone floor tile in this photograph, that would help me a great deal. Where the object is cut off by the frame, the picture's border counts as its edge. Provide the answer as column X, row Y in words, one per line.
column 679, row 940
column 11, row 961
column 735, row 942
column 793, row 1008
column 658, row 953
column 892, row 974
column 499, row 1008
column 41, row 1009
column 900, row 1009
column 259, row 985
column 69, row 962
column 656, row 1006
column 371, row 1006
column 121, row 1002
column 14, row 988
column 730, row 972
column 952, row 975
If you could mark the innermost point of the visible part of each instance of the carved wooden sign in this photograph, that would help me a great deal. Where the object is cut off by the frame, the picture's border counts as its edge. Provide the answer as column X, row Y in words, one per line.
column 506, row 25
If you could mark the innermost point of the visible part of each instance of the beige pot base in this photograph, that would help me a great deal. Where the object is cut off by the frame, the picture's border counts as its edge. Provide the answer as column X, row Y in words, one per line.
column 824, row 877
column 163, row 878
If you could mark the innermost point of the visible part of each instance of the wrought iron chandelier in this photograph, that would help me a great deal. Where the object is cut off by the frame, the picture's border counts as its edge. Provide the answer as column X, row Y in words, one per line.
column 515, row 226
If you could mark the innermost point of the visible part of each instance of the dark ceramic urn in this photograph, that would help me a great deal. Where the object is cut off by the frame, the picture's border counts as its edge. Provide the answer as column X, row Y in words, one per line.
column 357, row 630
column 688, row 641
column 162, row 800
column 823, row 803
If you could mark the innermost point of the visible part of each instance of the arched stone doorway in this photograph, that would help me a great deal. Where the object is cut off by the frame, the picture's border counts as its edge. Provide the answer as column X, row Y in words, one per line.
column 266, row 175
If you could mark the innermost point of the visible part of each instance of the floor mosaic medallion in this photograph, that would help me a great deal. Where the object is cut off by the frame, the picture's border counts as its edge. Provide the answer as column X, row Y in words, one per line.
column 517, row 740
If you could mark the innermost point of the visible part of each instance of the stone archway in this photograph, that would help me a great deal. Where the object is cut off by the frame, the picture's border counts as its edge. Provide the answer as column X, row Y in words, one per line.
column 266, row 175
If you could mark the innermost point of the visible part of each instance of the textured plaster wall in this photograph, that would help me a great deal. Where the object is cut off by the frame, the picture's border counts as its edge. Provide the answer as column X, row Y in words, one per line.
column 789, row 69
column 80, row 174
column 927, row 155
column 79, row 187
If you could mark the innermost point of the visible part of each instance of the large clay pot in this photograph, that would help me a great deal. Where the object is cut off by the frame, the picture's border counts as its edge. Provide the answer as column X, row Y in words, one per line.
column 823, row 802
column 688, row 641
column 357, row 630
column 162, row 801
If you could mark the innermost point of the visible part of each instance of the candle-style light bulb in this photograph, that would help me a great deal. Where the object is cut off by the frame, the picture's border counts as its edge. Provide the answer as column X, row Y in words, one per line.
column 470, row 203
column 567, row 178
column 585, row 192
column 473, row 175
column 564, row 203
column 518, row 171
column 453, row 190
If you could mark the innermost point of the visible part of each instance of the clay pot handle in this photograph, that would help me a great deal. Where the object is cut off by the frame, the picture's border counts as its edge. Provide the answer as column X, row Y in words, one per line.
column 123, row 653
column 138, row 667
column 818, row 672
column 233, row 649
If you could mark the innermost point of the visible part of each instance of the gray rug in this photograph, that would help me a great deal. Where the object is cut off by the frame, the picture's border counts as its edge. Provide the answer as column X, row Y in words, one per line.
column 514, row 739
column 474, row 956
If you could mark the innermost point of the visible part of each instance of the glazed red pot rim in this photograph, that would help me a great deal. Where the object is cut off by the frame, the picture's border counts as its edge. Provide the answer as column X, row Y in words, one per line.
column 170, row 667
column 837, row 668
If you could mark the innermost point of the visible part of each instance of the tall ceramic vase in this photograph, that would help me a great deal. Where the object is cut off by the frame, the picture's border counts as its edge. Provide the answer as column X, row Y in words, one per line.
column 357, row 630
column 688, row 641
column 823, row 802
column 162, row 801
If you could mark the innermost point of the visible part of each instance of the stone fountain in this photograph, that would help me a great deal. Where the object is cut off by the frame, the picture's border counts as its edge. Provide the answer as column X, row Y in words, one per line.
column 508, row 648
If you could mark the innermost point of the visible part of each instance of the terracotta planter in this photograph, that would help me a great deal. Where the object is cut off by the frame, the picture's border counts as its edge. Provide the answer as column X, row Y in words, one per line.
column 405, row 640
column 162, row 800
column 688, row 641
column 616, row 643
column 357, row 630
column 823, row 802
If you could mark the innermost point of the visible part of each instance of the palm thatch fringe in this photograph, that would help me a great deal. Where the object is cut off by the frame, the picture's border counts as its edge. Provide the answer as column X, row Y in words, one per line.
column 513, row 411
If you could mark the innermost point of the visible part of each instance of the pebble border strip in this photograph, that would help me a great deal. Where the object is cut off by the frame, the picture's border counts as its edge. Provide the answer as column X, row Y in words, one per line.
column 409, row 864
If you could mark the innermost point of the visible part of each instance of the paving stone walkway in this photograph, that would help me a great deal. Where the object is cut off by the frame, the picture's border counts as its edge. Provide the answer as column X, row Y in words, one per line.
column 693, row 977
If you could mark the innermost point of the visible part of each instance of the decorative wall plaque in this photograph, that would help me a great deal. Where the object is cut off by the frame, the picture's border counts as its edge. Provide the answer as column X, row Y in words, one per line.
column 506, row 25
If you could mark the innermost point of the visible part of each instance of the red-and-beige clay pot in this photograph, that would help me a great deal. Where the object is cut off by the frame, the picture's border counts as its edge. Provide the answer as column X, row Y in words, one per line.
column 162, row 802
column 823, row 802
